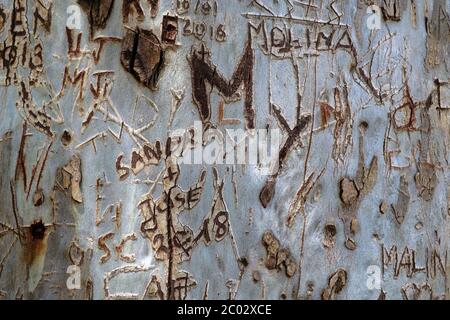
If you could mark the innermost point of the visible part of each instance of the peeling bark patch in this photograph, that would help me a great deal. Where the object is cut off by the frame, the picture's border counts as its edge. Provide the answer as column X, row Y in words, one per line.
column 154, row 289
column 142, row 56
column 336, row 283
column 278, row 258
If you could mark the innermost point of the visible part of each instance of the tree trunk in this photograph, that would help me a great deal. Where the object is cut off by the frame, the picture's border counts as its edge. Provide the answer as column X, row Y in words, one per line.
column 135, row 141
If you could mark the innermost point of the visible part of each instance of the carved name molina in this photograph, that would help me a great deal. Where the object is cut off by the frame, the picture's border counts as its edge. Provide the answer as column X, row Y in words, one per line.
column 300, row 39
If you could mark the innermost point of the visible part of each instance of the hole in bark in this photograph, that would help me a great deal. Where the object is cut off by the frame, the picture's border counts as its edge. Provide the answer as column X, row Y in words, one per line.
column 329, row 235
column 38, row 230
column 66, row 138
column 243, row 262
